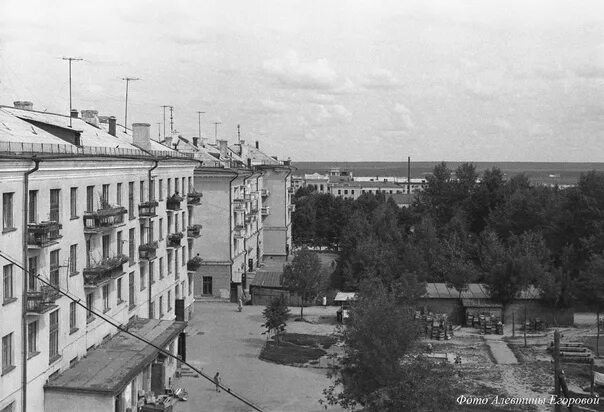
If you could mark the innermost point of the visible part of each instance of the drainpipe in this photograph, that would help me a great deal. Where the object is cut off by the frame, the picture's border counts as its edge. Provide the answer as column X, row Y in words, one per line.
column 231, row 225
column 24, row 285
column 155, row 163
column 289, row 172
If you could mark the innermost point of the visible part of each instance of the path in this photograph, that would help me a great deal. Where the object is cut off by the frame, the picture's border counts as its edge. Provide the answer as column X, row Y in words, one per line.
column 501, row 351
column 222, row 339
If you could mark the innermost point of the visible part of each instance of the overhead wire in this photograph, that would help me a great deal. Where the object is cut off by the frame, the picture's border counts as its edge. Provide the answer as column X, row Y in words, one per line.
column 126, row 331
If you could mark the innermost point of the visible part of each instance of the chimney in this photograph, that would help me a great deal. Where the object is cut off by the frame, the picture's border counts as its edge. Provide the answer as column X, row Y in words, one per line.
column 91, row 117
column 168, row 141
column 196, row 141
column 141, row 133
column 257, row 144
column 74, row 113
column 249, row 163
column 223, row 145
column 112, row 124
column 24, row 104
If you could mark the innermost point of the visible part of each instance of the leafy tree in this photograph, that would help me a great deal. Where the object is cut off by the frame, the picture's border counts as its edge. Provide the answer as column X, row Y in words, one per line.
column 590, row 289
column 303, row 276
column 374, row 371
column 276, row 314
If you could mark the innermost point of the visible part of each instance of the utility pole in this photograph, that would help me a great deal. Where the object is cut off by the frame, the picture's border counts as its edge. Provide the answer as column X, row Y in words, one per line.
column 128, row 80
column 216, row 130
column 70, row 59
column 171, row 120
column 557, row 368
column 239, row 134
column 165, row 107
column 199, row 124
column 159, row 131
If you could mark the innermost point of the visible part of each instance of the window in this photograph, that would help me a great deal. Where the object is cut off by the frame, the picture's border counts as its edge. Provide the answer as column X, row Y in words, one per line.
column 161, row 189
column 182, row 288
column 89, row 304
column 352, row 191
column 7, row 353
column 161, row 267
column 131, row 244
column 169, row 224
column 53, row 336
column 88, row 252
column 141, row 232
column 105, row 298
column 32, row 267
column 345, row 191
column 176, row 182
column 119, row 291
column 161, row 228
column 32, row 339
column 131, row 289
column 142, row 191
column 54, row 267
column 106, row 242
column 176, row 268
column 105, row 193
column 169, row 301
column 190, row 279
column 339, row 192
column 73, row 202
column 33, row 207
column 73, row 259
column 190, row 185
column 150, row 231
column 118, row 194
column 89, row 198
column 151, row 274
column 169, row 187
column 161, row 306
column 73, row 325
column 7, row 282
column 131, row 200
column 142, row 277
column 184, row 254
column 151, row 310
column 120, row 245
column 152, row 189
column 169, row 262
column 177, row 292
column 7, row 211
column 207, row 285
column 175, row 223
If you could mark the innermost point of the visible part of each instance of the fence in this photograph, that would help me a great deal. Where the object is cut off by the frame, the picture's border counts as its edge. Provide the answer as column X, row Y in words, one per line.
column 22, row 148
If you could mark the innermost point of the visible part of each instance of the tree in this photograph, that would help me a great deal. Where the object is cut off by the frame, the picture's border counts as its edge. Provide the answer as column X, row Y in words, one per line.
column 275, row 314
column 303, row 276
column 590, row 289
column 374, row 370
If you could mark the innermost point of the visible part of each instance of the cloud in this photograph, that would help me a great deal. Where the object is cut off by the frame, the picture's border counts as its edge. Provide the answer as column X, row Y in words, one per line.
column 321, row 98
column 291, row 72
column 401, row 118
column 329, row 114
column 381, row 79
column 591, row 72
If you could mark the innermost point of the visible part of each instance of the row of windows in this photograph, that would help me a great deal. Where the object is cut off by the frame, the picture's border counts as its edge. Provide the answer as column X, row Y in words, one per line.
column 104, row 198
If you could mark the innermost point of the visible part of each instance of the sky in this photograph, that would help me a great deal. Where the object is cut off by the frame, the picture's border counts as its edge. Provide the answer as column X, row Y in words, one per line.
column 337, row 80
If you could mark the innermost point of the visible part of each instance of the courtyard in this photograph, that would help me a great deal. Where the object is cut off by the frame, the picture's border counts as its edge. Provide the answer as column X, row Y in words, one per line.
column 221, row 339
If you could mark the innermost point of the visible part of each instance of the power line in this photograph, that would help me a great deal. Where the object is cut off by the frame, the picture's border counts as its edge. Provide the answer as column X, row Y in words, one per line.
column 126, row 331
column 70, row 59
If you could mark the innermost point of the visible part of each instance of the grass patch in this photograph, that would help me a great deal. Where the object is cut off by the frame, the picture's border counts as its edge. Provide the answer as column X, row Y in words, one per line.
column 287, row 353
column 314, row 341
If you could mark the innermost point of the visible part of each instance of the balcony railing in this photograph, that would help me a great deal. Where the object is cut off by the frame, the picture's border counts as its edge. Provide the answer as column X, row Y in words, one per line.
column 265, row 211
column 194, row 263
column 194, row 231
column 265, row 192
column 239, row 231
column 147, row 209
column 174, row 239
column 173, row 202
column 239, row 207
column 106, row 218
column 194, row 198
column 41, row 301
column 43, row 234
column 100, row 273
column 291, row 207
column 148, row 250
column 290, row 190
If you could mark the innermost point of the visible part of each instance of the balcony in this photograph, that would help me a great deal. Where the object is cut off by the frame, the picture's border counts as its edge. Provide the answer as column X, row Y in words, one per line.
column 239, row 231
column 239, row 201
column 194, row 231
column 98, row 274
column 290, row 190
column 239, row 207
column 265, row 211
column 265, row 192
column 173, row 202
column 41, row 301
column 291, row 207
column 43, row 234
column 249, row 218
column 194, row 198
column 194, row 263
column 147, row 209
column 106, row 218
column 174, row 239
column 148, row 251
column 247, row 197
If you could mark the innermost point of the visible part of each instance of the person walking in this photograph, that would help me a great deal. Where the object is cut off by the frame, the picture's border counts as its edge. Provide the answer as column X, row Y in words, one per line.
column 217, row 381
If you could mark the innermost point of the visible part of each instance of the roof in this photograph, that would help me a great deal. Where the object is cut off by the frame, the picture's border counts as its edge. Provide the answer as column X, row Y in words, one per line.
column 402, row 198
column 111, row 366
column 367, row 185
column 479, row 303
column 268, row 280
column 126, row 137
column 345, row 296
column 475, row 291
column 13, row 129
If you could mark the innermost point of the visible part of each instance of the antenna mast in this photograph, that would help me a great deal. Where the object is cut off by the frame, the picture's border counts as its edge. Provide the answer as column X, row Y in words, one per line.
column 71, row 59
column 216, row 130
column 128, row 80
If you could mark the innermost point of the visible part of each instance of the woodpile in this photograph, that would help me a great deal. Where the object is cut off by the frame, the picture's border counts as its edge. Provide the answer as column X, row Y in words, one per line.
column 575, row 352
column 434, row 326
column 486, row 322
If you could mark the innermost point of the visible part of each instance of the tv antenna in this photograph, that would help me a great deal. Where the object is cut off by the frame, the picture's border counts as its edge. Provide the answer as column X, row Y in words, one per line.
column 71, row 59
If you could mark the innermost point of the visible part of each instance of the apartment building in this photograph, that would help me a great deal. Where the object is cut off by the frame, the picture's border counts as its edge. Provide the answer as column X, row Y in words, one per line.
column 105, row 217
